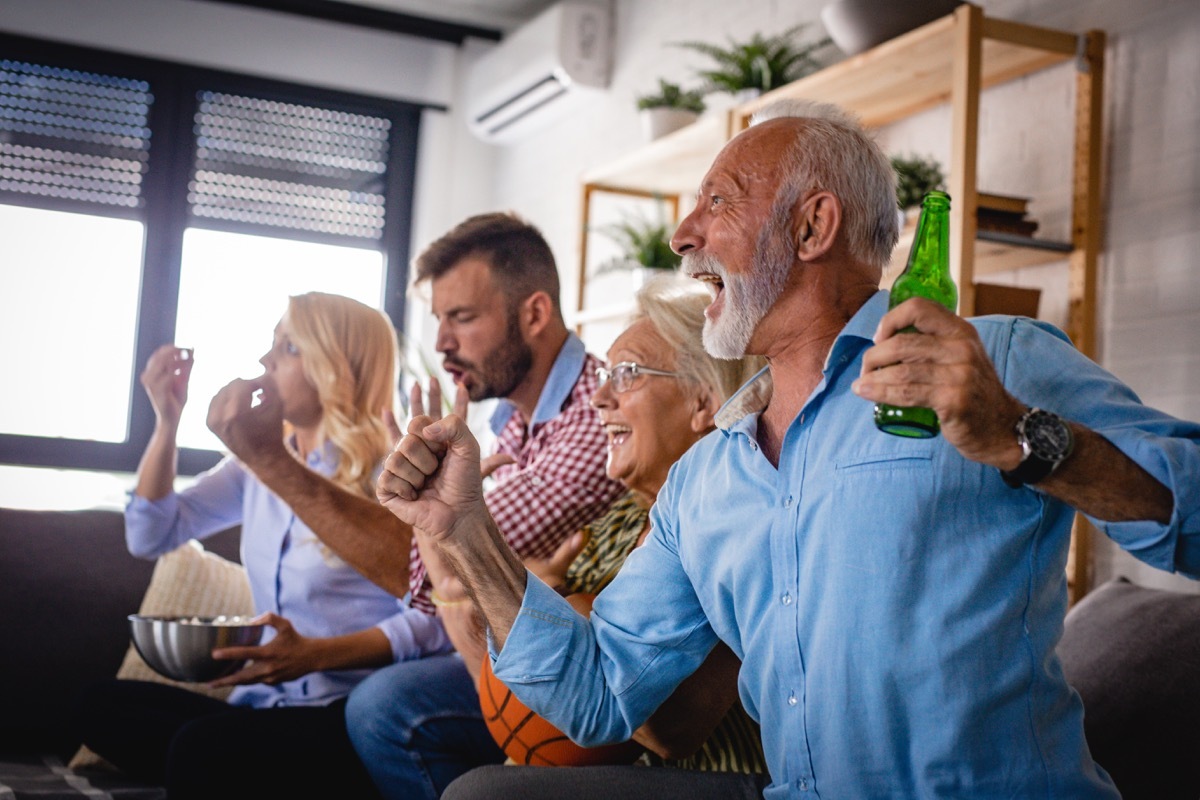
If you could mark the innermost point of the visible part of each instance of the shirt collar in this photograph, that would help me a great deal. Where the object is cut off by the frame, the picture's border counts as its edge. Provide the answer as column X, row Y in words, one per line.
column 560, row 382
column 753, row 396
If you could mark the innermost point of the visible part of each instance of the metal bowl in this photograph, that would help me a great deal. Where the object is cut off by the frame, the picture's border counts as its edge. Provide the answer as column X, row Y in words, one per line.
column 180, row 648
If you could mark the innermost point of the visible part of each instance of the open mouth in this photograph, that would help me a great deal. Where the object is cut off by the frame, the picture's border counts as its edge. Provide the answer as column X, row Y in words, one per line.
column 716, row 286
column 617, row 434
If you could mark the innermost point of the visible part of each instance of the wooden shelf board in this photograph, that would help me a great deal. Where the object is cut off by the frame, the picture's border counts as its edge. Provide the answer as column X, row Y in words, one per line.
column 673, row 164
column 913, row 71
column 994, row 252
column 898, row 78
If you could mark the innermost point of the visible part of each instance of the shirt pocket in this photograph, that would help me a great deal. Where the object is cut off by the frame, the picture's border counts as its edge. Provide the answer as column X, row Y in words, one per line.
column 883, row 510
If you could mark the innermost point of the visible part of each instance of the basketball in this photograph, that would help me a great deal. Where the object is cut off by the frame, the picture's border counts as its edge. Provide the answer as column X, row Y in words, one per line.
column 529, row 740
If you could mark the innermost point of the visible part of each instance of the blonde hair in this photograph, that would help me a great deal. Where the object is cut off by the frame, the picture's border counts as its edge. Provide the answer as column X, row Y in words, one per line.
column 349, row 352
column 674, row 304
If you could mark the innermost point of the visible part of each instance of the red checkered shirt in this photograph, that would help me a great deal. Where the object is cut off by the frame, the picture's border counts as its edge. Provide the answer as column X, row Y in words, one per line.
column 557, row 485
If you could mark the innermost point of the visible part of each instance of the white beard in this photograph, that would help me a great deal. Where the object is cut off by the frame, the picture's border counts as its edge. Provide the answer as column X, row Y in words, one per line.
column 748, row 297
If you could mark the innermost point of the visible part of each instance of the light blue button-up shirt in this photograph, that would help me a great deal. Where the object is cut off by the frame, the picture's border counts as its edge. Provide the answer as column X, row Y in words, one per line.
column 896, row 606
column 291, row 573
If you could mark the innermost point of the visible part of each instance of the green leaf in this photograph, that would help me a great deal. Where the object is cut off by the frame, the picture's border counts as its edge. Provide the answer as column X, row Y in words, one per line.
column 763, row 62
column 643, row 243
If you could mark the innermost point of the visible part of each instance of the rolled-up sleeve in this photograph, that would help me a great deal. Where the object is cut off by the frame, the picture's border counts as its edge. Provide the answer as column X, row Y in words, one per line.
column 415, row 634
column 210, row 505
column 1044, row 369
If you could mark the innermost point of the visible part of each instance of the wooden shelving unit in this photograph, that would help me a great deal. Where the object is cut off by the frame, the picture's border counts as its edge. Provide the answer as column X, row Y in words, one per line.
column 951, row 61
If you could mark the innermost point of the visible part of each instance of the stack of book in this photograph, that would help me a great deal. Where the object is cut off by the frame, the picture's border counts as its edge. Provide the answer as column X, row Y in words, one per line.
column 1003, row 213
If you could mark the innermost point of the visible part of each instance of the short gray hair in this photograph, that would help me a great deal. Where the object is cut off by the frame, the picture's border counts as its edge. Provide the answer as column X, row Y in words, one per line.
column 837, row 154
column 674, row 304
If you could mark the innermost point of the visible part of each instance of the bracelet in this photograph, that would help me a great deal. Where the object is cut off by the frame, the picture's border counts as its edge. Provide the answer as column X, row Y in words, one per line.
column 440, row 601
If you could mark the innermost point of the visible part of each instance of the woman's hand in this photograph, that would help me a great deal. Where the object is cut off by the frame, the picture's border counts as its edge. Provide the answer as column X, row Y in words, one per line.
column 165, row 379
column 250, row 429
column 552, row 571
column 286, row 657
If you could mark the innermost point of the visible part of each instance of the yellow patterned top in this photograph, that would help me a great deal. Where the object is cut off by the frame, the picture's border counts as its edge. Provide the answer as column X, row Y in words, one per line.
column 736, row 743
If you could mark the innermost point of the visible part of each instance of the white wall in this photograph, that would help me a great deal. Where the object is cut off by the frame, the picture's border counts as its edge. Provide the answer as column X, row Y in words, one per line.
column 264, row 43
column 1150, row 295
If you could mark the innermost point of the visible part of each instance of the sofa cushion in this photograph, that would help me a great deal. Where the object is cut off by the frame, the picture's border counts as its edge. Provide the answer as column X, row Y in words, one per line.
column 1133, row 654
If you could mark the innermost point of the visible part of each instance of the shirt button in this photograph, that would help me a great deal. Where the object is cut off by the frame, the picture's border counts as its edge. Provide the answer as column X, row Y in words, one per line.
column 802, row 785
column 753, row 445
column 787, row 501
column 786, row 599
column 534, row 480
column 792, row 699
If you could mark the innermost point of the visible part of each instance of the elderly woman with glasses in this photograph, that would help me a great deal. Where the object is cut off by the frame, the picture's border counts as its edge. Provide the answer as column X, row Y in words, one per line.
column 658, row 395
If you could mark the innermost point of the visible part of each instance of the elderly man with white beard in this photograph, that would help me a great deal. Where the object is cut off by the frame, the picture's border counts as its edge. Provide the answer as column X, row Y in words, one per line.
column 895, row 602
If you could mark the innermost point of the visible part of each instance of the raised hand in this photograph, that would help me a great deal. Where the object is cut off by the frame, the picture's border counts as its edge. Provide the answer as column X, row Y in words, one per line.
column 248, row 429
column 432, row 479
column 944, row 367
column 165, row 379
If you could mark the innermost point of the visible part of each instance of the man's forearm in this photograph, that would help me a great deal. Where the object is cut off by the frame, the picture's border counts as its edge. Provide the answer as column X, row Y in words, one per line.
column 1104, row 483
column 362, row 532
column 491, row 572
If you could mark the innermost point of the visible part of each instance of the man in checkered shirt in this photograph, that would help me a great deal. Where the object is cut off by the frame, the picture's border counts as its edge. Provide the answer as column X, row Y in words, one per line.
column 417, row 725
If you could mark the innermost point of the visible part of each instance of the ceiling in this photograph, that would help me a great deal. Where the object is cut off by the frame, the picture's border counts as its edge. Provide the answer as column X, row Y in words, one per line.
column 445, row 20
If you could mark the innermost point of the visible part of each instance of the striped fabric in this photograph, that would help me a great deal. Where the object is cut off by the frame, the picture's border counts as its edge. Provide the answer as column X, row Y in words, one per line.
column 736, row 744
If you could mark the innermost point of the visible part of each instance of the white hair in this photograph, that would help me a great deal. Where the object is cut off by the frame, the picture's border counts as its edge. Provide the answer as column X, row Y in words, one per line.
column 837, row 154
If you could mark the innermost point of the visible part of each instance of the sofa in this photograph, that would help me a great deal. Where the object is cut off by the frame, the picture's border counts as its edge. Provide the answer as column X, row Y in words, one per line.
column 67, row 585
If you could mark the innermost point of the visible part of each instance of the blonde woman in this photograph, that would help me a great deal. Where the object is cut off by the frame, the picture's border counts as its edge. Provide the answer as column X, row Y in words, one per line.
column 331, row 374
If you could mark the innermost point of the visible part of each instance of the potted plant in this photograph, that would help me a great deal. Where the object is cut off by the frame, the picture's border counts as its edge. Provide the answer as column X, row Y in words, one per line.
column 915, row 176
column 761, row 64
column 669, row 109
column 644, row 244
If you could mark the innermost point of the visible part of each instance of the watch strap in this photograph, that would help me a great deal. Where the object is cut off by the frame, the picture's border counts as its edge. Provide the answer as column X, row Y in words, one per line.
column 1031, row 470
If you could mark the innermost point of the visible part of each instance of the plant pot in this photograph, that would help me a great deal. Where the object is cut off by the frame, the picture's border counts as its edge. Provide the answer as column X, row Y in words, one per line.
column 858, row 25
column 660, row 121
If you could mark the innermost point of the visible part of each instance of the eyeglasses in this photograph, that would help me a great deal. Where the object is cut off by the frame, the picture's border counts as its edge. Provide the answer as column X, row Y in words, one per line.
column 624, row 374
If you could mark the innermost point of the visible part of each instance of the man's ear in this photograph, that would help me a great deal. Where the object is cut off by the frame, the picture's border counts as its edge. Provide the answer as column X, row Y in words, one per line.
column 536, row 312
column 816, row 224
column 704, row 407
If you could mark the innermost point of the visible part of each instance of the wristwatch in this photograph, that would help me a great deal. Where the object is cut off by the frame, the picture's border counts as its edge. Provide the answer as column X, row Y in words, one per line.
column 1046, row 440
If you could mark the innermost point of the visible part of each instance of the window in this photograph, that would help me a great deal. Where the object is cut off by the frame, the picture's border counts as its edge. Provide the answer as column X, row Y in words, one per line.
column 143, row 203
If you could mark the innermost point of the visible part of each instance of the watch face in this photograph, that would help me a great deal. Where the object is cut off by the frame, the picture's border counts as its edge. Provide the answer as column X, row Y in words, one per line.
column 1048, row 436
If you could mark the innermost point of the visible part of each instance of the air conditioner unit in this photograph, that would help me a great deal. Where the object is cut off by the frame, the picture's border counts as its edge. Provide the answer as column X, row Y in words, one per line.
column 540, row 71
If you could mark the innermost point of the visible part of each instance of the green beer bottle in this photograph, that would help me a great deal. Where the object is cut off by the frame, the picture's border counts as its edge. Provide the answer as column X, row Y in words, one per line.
column 926, row 275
